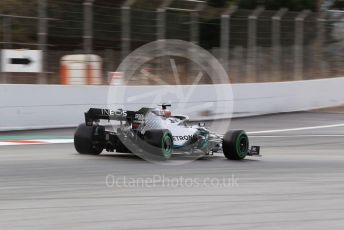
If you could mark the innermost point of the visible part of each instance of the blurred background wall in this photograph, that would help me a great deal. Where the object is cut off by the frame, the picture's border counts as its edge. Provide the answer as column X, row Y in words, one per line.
column 255, row 40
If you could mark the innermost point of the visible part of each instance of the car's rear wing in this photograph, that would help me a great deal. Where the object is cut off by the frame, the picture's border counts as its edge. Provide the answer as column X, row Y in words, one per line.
column 95, row 115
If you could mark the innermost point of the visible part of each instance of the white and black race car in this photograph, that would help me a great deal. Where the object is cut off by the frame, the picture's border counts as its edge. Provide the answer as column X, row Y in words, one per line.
column 155, row 133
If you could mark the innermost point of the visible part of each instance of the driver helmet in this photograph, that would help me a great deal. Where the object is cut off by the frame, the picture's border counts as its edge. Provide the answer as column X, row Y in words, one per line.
column 162, row 112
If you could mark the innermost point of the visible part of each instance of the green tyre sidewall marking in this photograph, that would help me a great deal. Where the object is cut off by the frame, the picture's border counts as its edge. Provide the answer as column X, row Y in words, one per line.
column 166, row 152
column 240, row 154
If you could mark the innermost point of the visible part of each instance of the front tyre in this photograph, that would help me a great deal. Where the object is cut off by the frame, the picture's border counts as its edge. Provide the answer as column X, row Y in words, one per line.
column 83, row 140
column 235, row 145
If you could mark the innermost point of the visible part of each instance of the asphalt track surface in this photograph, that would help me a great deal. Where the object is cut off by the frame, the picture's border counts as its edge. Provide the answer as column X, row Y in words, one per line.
column 297, row 184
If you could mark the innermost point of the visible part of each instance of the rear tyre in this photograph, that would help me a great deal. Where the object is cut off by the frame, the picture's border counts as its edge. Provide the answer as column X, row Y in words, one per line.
column 235, row 145
column 83, row 140
column 160, row 143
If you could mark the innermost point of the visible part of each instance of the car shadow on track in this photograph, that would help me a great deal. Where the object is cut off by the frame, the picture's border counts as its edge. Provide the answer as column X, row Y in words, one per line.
column 177, row 157
column 182, row 157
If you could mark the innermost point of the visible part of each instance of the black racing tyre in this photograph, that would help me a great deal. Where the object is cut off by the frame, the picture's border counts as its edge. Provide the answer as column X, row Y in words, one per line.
column 235, row 145
column 83, row 140
column 160, row 143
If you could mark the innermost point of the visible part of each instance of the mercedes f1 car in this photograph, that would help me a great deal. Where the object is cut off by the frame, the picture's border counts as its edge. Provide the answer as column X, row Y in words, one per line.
column 156, row 133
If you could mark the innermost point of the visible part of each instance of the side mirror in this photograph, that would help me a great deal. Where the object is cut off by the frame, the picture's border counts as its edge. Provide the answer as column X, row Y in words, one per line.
column 201, row 124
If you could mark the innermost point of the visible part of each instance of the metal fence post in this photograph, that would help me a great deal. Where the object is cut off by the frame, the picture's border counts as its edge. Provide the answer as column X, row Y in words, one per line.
column 320, row 44
column 194, row 35
column 161, row 19
column 7, row 32
column 298, row 47
column 7, row 40
column 276, row 43
column 161, row 23
column 42, row 38
column 225, row 36
column 252, row 44
column 126, row 28
column 88, row 36
column 194, row 23
column 161, row 32
column 2, row 75
column 88, row 26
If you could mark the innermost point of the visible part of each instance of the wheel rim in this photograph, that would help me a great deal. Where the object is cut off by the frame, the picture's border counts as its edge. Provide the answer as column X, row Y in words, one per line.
column 167, row 146
column 242, row 145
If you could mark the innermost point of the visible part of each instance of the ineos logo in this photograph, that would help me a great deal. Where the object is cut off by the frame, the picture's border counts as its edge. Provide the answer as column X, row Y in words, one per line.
column 120, row 113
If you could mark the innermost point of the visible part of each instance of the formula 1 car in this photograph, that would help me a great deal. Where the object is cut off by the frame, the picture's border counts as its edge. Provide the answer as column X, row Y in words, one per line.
column 156, row 133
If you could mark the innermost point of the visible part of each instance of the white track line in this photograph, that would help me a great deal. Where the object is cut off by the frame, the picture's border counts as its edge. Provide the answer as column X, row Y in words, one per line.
column 3, row 143
column 289, row 136
column 296, row 129
column 35, row 142
column 61, row 141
